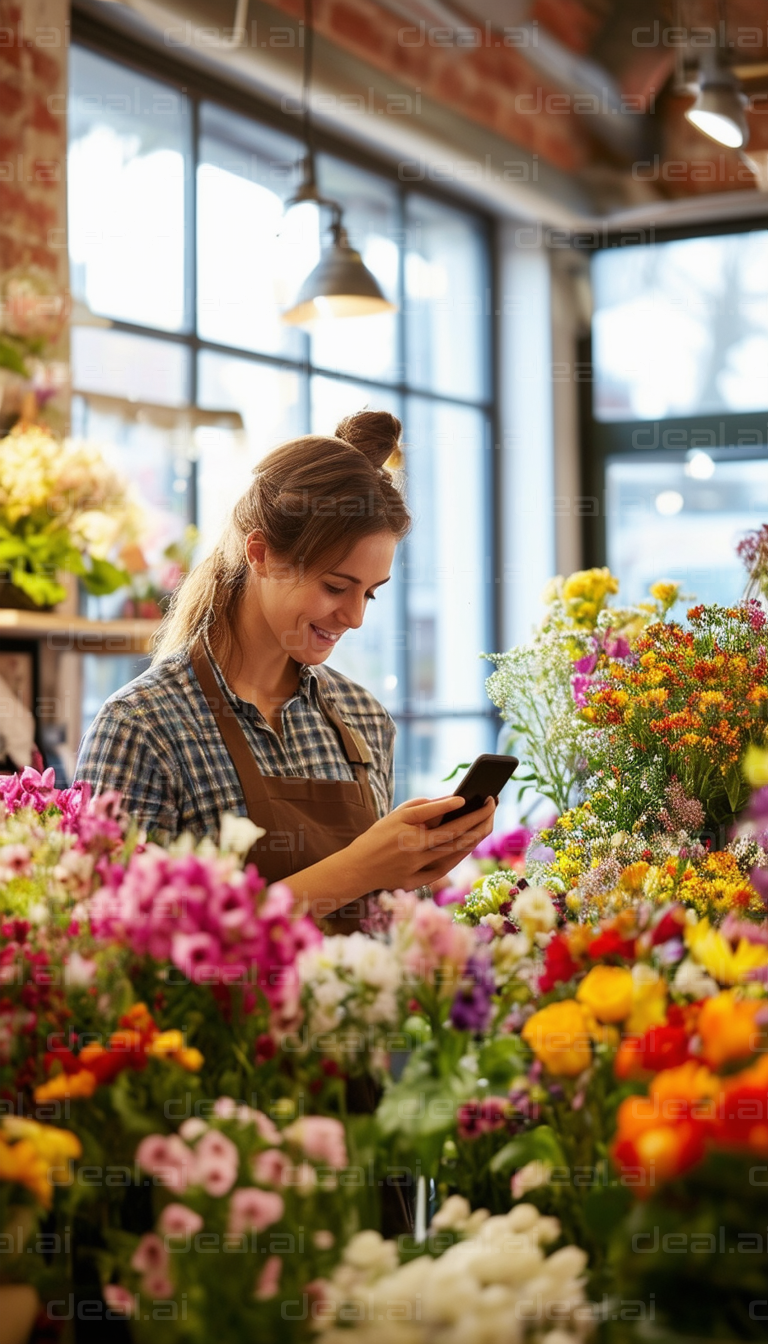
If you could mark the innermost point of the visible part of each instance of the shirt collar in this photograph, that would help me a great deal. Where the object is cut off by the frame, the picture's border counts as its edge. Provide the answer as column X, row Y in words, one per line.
column 307, row 688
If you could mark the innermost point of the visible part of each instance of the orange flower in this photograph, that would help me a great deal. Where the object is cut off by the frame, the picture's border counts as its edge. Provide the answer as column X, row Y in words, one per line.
column 658, row 1154
column 66, row 1086
column 728, row 1029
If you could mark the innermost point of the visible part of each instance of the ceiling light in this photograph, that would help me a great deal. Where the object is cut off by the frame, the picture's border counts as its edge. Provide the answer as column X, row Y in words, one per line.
column 340, row 286
column 719, row 110
column 699, row 465
column 669, row 502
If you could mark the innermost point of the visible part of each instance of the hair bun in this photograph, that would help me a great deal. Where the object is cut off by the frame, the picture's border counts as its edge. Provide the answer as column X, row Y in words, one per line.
column 374, row 433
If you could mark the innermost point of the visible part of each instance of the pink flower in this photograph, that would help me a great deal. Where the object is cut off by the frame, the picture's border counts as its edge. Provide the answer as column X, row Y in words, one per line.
column 266, row 1128
column 198, row 955
column 216, row 1163
column 324, row 1239
column 321, row 1138
column 119, row 1299
column 150, row 1256
column 268, row 1167
column 156, row 1285
column 169, row 1160
column 269, row 1279
column 253, row 1210
column 176, row 1220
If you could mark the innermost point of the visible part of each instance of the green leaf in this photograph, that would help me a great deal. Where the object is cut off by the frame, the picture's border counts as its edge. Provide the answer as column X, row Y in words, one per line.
column 539, row 1144
column 44, row 592
column 502, row 1059
column 463, row 765
column 103, row 577
column 11, row 358
column 605, row 1207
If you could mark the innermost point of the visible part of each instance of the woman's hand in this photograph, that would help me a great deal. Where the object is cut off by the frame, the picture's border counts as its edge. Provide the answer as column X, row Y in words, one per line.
column 412, row 846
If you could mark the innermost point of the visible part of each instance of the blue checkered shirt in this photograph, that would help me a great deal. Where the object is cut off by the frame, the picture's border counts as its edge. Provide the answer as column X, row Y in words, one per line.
column 157, row 743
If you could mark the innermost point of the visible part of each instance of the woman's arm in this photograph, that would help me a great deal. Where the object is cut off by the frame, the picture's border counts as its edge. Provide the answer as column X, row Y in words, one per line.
column 402, row 850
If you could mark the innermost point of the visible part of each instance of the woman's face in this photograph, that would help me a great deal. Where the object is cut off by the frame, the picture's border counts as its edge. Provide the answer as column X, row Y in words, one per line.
column 308, row 618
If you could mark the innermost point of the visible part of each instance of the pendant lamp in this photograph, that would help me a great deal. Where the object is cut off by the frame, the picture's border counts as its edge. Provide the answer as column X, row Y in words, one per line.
column 341, row 284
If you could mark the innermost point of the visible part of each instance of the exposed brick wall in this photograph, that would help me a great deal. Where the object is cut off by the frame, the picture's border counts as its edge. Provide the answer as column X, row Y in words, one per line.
column 490, row 83
column 33, row 134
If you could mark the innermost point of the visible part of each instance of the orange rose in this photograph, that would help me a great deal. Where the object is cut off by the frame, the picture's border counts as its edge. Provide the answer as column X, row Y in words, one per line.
column 728, row 1028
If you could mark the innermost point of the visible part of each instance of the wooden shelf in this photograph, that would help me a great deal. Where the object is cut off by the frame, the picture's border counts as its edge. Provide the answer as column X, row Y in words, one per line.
column 77, row 634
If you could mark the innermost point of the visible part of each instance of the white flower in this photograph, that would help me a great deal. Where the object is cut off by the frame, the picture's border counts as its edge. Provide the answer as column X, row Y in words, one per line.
column 369, row 1252
column 192, row 1129
column 692, row 979
column 238, row 834
column 534, row 911
column 453, row 1214
column 79, row 970
column 530, row 1177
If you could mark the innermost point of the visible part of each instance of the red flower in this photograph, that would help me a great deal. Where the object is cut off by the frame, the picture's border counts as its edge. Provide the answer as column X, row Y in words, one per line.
column 609, row 943
column 669, row 926
column 559, row 965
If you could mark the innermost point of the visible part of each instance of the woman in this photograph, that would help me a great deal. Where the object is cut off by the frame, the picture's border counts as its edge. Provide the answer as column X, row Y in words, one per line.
column 237, row 712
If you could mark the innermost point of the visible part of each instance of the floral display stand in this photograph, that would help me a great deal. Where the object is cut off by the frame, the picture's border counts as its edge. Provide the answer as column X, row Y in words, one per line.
column 583, row 1016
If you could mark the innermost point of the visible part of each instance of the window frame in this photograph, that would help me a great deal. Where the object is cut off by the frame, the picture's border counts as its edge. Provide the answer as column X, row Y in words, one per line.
column 198, row 86
column 605, row 441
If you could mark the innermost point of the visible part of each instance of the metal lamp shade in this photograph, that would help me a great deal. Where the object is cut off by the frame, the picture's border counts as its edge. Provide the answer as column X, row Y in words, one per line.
column 719, row 113
column 339, row 286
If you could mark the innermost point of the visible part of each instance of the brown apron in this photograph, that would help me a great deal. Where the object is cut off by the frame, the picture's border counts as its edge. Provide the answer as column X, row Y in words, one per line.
column 305, row 820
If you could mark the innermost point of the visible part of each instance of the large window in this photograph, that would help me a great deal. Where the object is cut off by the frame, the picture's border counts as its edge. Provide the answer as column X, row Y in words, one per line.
column 679, row 449
column 181, row 245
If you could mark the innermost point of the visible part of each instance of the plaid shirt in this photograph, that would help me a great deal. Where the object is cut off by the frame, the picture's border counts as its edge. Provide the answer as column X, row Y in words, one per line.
column 157, row 743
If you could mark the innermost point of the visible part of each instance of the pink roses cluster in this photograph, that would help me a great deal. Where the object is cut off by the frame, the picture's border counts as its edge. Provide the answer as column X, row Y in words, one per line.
column 202, row 914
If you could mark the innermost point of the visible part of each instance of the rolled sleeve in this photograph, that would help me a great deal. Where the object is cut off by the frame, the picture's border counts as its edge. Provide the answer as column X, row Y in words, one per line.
column 117, row 753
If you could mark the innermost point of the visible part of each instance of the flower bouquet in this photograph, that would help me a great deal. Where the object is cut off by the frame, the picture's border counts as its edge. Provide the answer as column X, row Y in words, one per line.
column 61, row 509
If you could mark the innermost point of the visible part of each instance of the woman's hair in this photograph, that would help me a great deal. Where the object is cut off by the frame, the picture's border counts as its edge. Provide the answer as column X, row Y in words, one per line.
column 312, row 499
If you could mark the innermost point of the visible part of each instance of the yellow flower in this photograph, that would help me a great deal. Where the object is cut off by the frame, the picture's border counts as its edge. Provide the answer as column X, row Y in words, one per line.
column 67, row 1085
column 39, row 1158
column 755, row 766
column 165, row 1043
column 665, row 592
column 608, row 992
column 649, row 1004
column 559, row 1038
column 190, row 1059
column 716, row 955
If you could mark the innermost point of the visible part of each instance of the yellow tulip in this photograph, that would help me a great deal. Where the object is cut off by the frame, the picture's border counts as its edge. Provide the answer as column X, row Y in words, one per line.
column 755, row 766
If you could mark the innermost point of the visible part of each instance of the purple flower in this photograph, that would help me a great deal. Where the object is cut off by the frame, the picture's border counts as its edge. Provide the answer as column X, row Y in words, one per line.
column 586, row 665
column 497, row 847
column 616, row 646
column 580, row 686
column 472, row 1006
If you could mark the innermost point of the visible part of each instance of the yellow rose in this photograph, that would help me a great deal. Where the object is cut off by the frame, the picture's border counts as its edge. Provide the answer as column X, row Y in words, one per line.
column 608, row 992
column 559, row 1038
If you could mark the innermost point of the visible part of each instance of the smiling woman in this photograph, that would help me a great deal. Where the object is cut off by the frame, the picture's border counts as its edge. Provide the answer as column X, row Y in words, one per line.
column 238, row 712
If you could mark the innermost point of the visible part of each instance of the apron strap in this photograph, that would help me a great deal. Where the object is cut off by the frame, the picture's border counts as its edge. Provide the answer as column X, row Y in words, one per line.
column 251, row 779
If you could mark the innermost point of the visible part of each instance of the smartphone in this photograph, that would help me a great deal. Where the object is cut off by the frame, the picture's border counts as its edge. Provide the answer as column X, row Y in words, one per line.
column 485, row 778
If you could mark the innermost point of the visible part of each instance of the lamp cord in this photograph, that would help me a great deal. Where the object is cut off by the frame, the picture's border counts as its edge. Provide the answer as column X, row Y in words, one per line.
column 309, row 33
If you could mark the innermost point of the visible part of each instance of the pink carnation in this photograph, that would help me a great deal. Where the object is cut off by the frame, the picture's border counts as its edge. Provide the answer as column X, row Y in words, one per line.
column 269, row 1279
column 169, row 1160
column 150, row 1256
column 176, row 1220
column 253, row 1210
column 268, row 1167
column 321, row 1138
